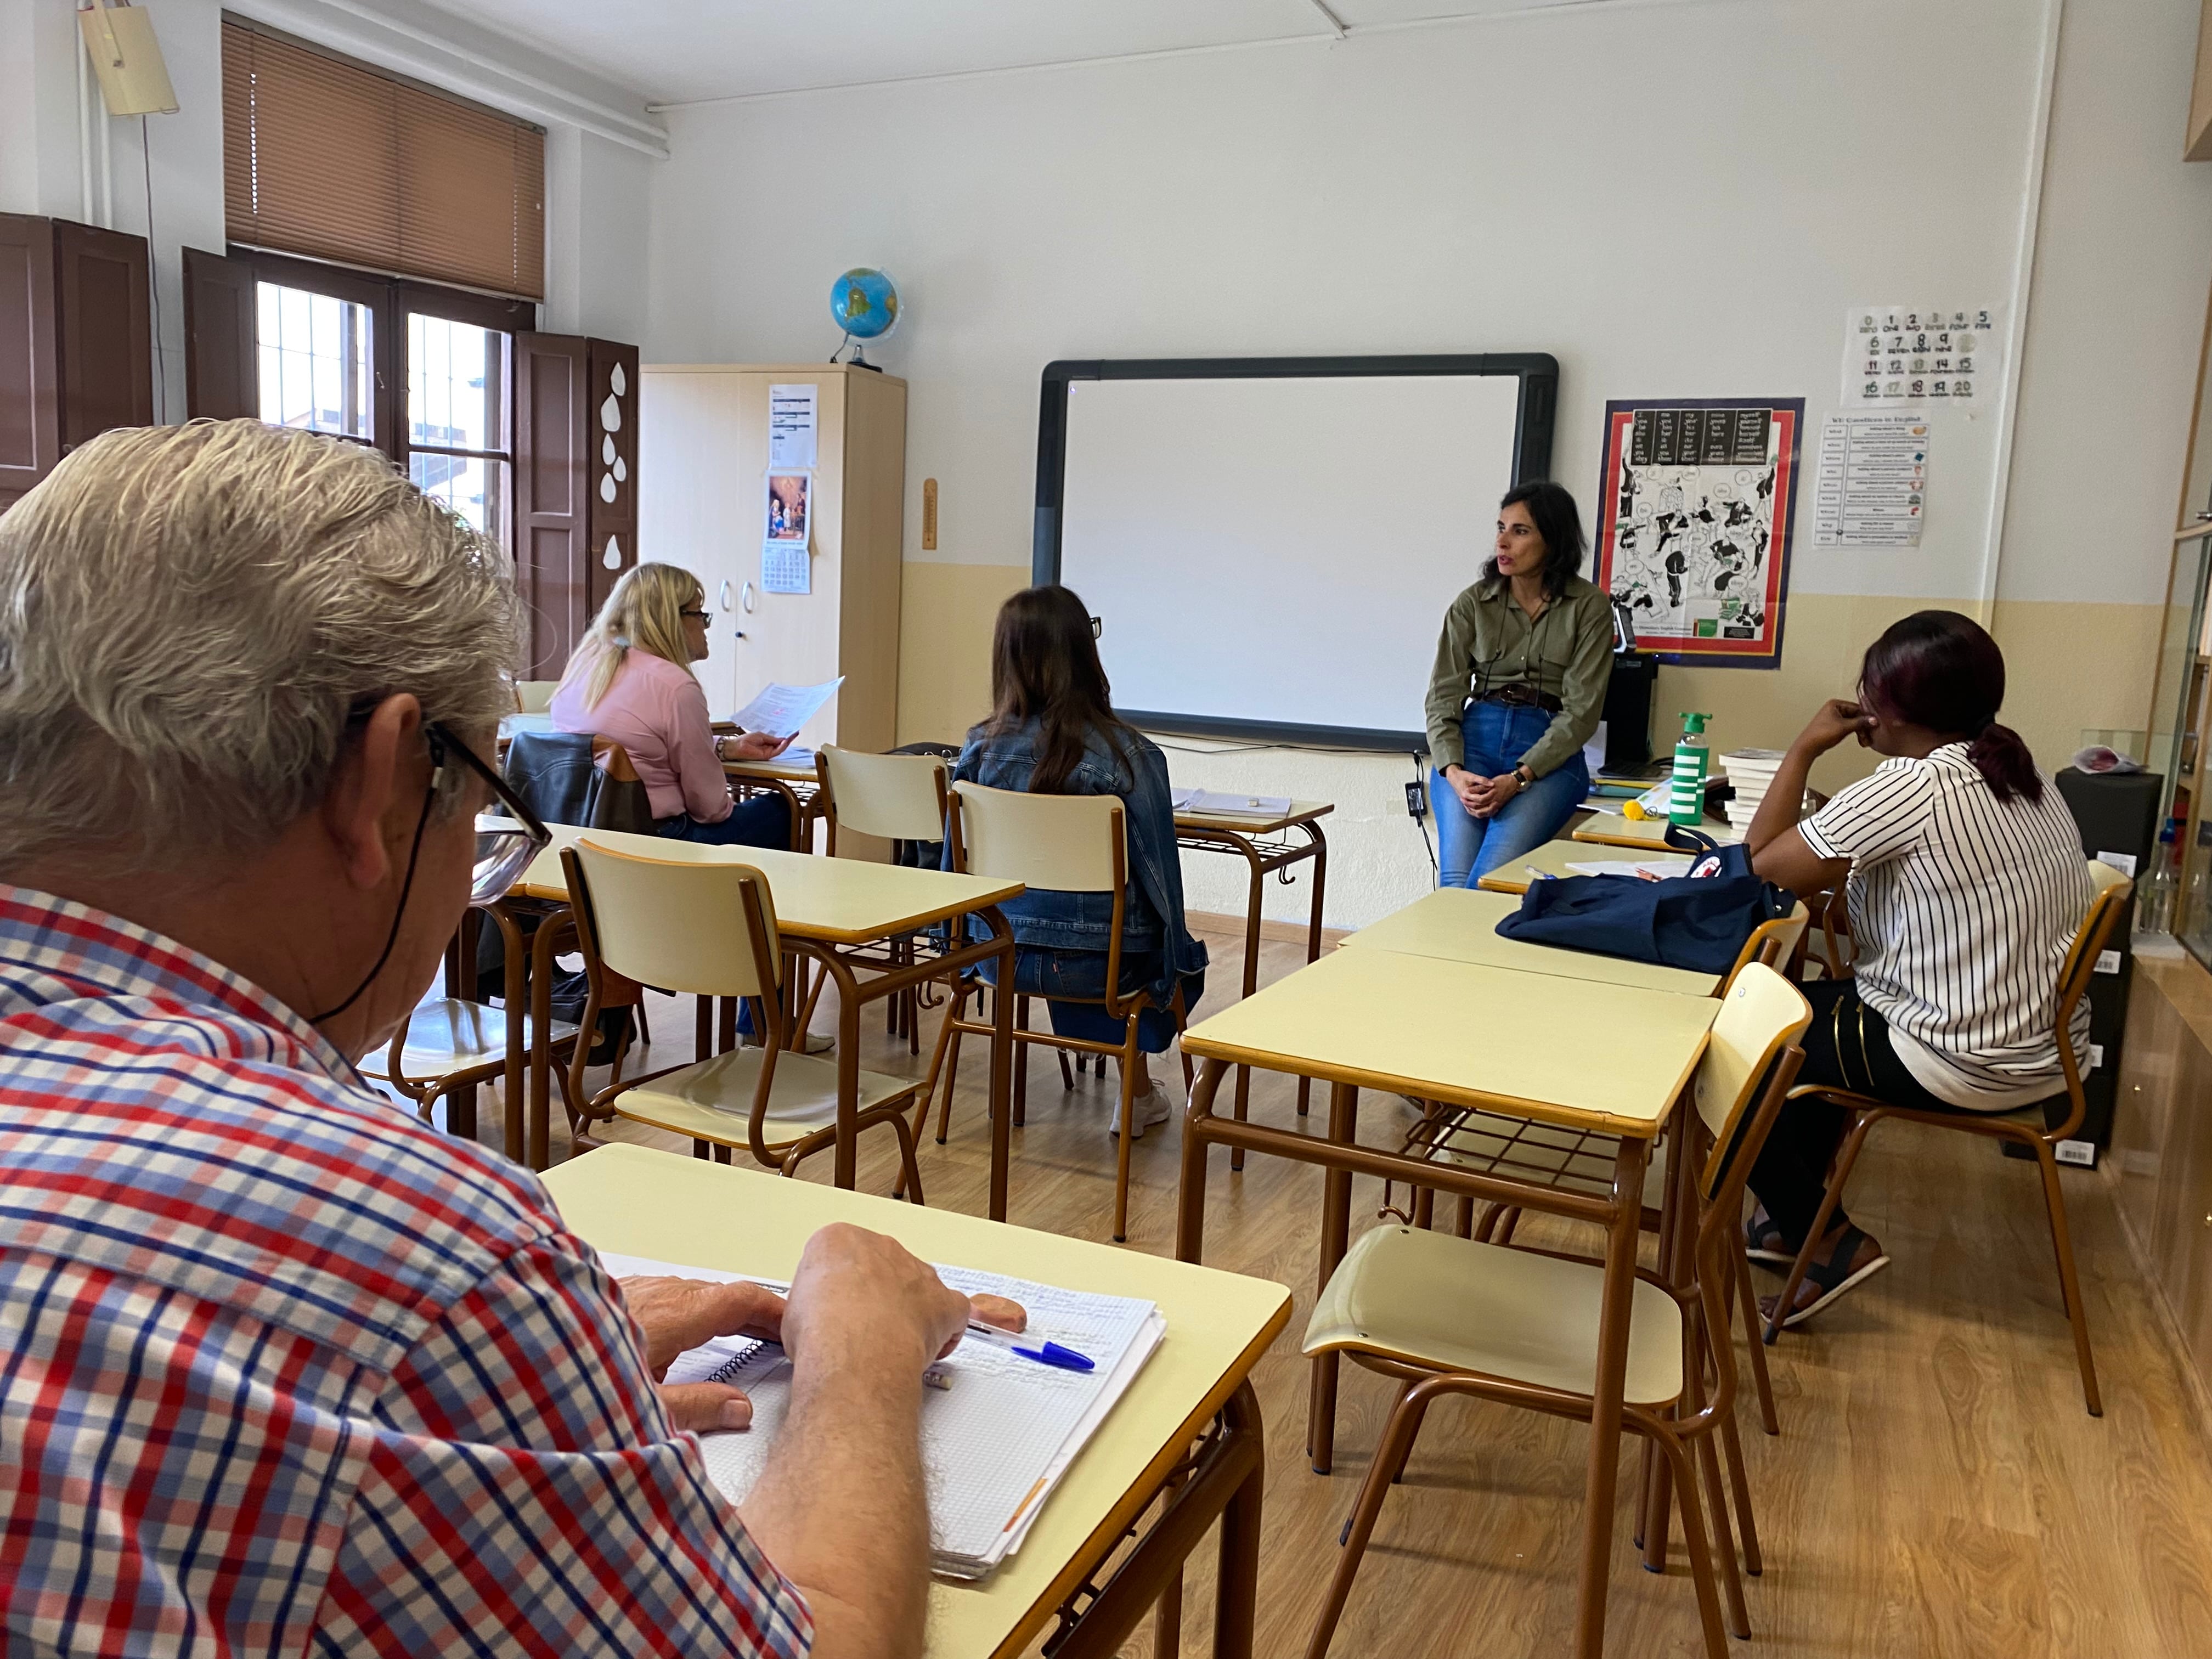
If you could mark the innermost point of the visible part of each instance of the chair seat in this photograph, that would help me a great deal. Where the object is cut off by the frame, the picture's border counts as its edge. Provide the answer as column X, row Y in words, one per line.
column 1573, row 1160
column 713, row 1100
column 1427, row 1298
column 450, row 1035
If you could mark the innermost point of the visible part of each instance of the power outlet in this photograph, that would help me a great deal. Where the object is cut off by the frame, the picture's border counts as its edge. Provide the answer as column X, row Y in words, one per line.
column 1417, row 801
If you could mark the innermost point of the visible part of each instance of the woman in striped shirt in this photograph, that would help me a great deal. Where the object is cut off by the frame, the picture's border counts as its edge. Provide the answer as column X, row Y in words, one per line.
column 1966, row 883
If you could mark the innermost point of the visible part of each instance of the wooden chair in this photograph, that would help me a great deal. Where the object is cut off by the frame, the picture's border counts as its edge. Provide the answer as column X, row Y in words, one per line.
column 1564, row 1157
column 2027, row 1126
column 1055, row 843
column 897, row 798
column 694, row 922
column 1444, row 1315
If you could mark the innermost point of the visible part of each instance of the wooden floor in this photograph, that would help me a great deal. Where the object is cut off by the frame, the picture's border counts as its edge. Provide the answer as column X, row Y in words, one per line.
column 1938, row 1488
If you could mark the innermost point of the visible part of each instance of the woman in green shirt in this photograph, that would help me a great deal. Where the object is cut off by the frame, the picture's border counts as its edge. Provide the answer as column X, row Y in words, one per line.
column 1518, row 690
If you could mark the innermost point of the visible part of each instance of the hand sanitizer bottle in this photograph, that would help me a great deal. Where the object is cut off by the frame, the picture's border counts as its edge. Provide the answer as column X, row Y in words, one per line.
column 1687, row 803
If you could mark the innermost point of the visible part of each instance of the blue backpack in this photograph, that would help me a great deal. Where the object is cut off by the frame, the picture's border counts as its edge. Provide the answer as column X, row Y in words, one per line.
column 1698, row 922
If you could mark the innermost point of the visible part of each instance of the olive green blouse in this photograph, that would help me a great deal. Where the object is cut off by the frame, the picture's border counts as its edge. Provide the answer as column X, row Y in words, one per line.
column 1488, row 641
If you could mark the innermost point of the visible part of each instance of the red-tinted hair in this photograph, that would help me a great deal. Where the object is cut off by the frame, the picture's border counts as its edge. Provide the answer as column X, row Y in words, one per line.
column 1942, row 671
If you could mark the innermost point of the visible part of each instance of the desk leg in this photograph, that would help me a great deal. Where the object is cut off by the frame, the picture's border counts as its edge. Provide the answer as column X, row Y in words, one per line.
column 1677, row 1244
column 1237, row 1598
column 1190, row 1191
column 1313, row 926
column 848, row 1071
column 1335, row 1237
column 1002, row 1061
column 514, row 995
column 541, row 1038
column 1611, row 1382
column 1254, row 893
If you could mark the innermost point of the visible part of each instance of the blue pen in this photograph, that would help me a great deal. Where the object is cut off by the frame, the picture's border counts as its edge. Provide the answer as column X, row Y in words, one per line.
column 1051, row 1353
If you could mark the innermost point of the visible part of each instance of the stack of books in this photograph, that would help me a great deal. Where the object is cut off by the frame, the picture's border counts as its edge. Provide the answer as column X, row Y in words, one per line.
column 1749, row 773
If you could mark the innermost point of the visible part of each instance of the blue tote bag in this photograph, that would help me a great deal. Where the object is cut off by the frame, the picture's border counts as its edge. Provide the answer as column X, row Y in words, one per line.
column 1698, row 921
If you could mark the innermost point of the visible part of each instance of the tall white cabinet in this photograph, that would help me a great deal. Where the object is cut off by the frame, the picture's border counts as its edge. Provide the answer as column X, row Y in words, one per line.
column 703, row 489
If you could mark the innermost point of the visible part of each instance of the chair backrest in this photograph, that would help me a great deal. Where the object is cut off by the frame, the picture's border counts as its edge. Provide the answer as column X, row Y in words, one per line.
column 685, row 924
column 2109, row 894
column 1773, row 943
column 897, row 797
column 1761, row 1014
column 534, row 696
column 1059, row 843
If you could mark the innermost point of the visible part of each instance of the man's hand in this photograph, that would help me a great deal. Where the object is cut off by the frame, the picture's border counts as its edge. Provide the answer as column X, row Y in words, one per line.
column 1835, row 720
column 754, row 747
column 679, row 1314
column 859, row 1299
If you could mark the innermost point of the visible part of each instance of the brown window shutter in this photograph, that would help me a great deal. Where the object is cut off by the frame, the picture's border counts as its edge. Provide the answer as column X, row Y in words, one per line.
column 30, row 405
column 552, row 387
column 222, row 359
column 331, row 158
column 105, row 308
column 611, row 464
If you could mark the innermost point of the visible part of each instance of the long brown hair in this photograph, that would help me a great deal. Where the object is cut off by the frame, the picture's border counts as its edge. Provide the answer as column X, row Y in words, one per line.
column 1045, row 667
column 1940, row 670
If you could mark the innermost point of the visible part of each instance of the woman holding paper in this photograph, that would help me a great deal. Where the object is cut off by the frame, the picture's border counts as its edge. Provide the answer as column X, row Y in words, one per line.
column 629, row 682
column 1531, row 645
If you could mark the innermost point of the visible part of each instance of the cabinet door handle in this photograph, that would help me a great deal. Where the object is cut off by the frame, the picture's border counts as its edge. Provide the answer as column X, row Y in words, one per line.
column 724, row 600
column 745, row 598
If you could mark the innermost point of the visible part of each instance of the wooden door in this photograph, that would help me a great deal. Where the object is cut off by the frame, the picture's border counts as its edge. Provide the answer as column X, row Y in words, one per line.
column 551, row 554
column 691, row 508
column 223, row 356
column 103, row 302
column 30, row 409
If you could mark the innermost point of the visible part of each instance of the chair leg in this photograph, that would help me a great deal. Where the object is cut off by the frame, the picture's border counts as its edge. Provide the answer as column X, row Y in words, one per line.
column 1492, row 1215
column 1128, row 1109
column 1763, row 1385
column 909, row 1185
column 1693, row 1535
column 952, row 1080
column 1067, row 1076
column 644, row 1030
column 1830, row 1201
column 1754, row 1562
column 2070, row 1281
column 1708, row 1470
column 1390, row 1457
column 1465, row 1228
column 1021, row 1061
column 1512, row 1221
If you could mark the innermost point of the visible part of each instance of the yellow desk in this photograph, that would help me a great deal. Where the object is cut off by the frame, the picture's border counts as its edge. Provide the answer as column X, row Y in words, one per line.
column 1457, row 924
column 1266, row 846
column 1553, row 857
column 1465, row 1035
column 1611, row 830
column 823, row 908
column 640, row 1202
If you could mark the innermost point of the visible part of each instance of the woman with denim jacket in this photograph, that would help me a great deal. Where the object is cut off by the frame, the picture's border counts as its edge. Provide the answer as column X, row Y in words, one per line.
column 1053, row 730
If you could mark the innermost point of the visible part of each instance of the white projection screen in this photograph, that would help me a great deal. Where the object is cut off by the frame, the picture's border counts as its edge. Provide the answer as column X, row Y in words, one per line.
column 1269, row 545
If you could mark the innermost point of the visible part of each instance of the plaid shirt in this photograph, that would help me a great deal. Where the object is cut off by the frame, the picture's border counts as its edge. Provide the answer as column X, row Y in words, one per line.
column 284, row 1370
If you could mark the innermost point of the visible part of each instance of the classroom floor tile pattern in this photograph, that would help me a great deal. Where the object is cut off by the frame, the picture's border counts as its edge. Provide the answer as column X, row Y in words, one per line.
column 1938, row 1488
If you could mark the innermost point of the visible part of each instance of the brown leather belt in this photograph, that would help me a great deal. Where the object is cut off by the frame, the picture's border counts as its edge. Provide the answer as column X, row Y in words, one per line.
column 1522, row 696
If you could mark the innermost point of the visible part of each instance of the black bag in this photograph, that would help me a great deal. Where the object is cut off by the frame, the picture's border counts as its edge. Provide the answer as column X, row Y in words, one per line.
column 1698, row 921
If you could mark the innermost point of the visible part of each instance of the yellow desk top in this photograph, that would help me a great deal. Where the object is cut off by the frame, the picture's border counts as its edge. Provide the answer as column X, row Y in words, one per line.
column 1454, row 924
column 1553, row 857
column 671, row 1208
column 838, row 901
column 1611, row 830
column 1302, row 811
column 1579, row 1053
column 783, row 771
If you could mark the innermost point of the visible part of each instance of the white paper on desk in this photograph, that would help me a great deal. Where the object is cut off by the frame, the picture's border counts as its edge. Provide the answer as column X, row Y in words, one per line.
column 1218, row 804
column 780, row 710
column 1658, row 867
column 995, row 1442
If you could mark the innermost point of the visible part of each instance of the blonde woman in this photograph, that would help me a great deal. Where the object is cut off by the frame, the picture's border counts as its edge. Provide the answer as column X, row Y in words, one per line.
column 629, row 681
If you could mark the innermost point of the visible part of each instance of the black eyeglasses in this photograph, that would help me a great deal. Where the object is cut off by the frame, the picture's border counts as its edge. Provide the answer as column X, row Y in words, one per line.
column 701, row 614
column 507, row 839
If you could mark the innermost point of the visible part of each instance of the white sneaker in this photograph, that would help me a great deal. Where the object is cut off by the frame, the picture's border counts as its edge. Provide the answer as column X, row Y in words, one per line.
column 1148, row 1109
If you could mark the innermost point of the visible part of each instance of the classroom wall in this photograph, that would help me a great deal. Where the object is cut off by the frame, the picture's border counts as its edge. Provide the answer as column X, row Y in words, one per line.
column 1675, row 199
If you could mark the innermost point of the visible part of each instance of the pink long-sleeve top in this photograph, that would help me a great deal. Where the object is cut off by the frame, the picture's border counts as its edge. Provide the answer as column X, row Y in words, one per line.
column 658, row 712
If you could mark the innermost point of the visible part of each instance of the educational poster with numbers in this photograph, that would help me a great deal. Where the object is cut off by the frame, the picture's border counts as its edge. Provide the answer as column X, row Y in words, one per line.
column 1693, row 538
column 1908, row 354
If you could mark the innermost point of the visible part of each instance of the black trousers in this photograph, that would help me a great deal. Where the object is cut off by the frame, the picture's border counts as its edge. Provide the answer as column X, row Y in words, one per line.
column 1846, row 1047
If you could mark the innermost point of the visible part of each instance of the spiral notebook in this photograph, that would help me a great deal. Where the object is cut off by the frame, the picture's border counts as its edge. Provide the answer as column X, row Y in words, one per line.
column 998, row 1431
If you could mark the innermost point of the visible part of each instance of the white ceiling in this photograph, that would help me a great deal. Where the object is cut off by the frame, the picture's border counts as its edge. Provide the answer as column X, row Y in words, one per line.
column 672, row 51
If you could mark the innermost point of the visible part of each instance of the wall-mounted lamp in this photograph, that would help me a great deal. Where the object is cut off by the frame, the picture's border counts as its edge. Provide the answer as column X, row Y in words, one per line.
column 127, row 58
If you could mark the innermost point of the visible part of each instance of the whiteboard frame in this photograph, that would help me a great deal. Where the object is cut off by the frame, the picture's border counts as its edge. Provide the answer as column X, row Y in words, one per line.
column 1537, row 372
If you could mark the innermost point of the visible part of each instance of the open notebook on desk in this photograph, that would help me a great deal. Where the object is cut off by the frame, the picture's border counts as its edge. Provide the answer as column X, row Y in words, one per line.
column 998, row 1430
column 1216, row 804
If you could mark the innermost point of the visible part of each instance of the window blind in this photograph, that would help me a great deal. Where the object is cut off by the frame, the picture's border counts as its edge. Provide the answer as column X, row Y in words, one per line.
column 334, row 160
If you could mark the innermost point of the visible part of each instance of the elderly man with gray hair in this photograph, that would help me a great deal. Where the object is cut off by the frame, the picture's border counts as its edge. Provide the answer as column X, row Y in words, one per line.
column 284, row 1369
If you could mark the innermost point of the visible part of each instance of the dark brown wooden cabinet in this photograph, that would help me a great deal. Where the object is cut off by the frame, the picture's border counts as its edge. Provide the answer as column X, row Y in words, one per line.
column 76, row 342
column 223, row 358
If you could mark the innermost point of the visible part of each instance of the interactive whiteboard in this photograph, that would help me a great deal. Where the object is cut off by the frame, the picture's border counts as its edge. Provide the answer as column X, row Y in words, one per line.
column 1269, row 544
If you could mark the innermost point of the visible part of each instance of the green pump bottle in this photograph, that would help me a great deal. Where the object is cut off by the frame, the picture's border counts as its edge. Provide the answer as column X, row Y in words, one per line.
column 1686, row 802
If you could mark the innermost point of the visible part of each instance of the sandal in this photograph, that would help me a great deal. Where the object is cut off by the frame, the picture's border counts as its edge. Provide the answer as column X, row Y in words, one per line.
column 1758, row 1228
column 1834, row 1277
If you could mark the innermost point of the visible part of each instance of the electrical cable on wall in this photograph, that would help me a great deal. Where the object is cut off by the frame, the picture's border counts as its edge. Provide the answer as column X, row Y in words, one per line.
column 153, row 277
column 1421, row 781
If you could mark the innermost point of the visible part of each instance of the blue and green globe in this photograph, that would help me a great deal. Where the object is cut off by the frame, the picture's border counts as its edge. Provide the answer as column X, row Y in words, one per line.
column 864, row 303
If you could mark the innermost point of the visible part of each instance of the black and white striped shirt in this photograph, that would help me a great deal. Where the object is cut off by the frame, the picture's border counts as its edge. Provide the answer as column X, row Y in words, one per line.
column 1962, row 908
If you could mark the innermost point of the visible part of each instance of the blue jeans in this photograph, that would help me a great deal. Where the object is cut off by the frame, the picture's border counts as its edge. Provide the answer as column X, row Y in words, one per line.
column 1496, row 737
column 762, row 821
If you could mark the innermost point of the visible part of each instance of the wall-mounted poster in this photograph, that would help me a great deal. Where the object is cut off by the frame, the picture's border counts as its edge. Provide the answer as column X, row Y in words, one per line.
column 1693, row 530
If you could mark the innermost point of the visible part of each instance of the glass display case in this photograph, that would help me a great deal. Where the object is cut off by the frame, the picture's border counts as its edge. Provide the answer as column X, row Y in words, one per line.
column 2177, row 892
